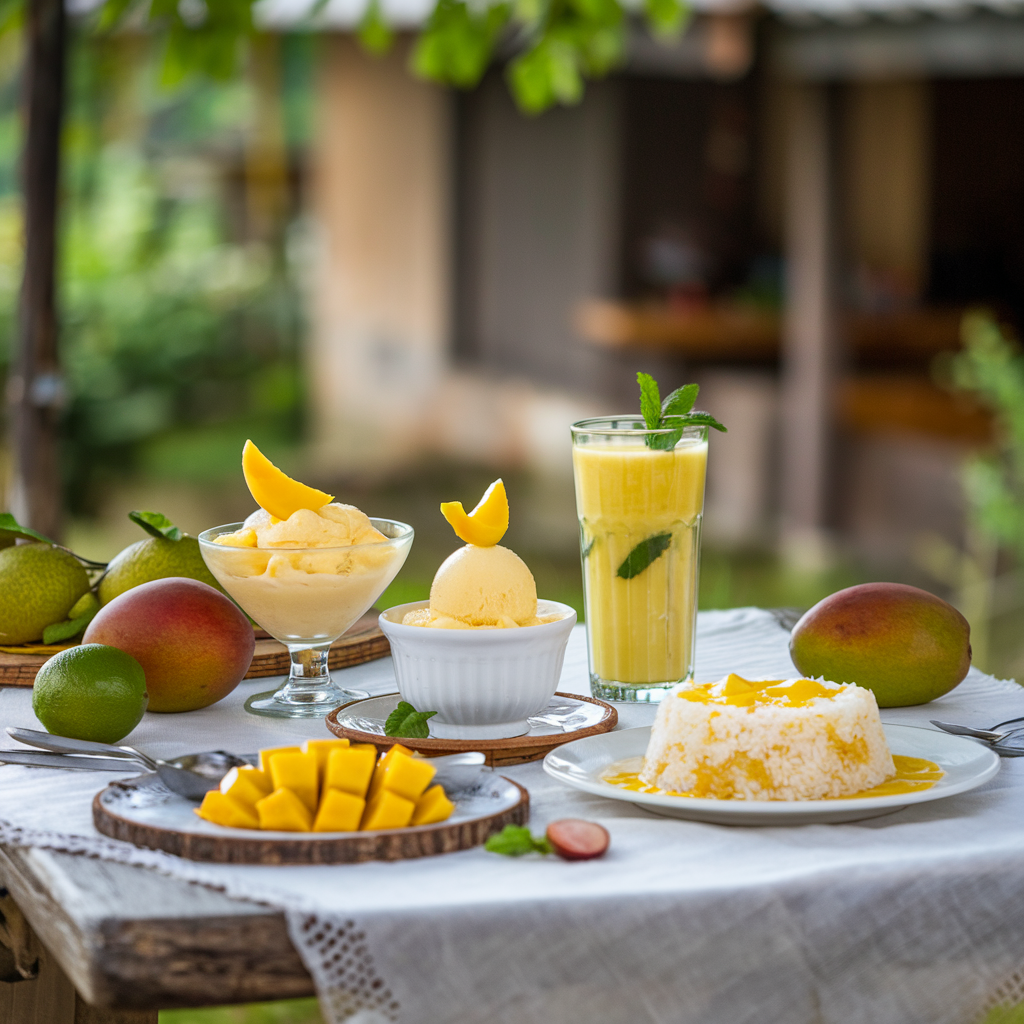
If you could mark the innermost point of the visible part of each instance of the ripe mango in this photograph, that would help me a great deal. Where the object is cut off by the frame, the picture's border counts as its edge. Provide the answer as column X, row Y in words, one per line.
column 904, row 644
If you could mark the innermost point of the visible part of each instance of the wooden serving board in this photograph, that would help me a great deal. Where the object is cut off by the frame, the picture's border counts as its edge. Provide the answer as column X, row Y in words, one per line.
column 502, row 753
column 140, row 811
column 363, row 642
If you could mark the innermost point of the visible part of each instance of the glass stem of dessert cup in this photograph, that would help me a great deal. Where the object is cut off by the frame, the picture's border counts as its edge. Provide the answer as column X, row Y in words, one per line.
column 640, row 503
column 309, row 692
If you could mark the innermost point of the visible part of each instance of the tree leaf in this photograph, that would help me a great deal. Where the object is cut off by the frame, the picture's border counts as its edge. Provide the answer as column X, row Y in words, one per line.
column 680, row 402
column 374, row 32
column 66, row 630
column 516, row 840
column 650, row 400
column 647, row 551
column 406, row 722
column 666, row 18
column 9, row 524
column 156, row 524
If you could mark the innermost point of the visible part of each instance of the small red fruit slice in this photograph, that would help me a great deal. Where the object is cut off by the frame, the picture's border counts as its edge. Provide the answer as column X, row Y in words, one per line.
column 575, row 839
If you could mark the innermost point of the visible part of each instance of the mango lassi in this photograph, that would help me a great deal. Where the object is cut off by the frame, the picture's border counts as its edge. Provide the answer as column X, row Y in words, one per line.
column 640, row 510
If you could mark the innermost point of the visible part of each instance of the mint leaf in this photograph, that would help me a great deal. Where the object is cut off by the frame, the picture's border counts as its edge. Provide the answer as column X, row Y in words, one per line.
column 408, row 723
column 664, row 442
column 680, row 402
column 700, row 419
column 650, row 400
column 11, row 525
column 66, row 630
column 643, row 554
column 515, row 840
column 156, row 524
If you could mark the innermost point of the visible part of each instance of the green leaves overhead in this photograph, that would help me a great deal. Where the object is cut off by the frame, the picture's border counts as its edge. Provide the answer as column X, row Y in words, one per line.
column 156, row 524
column 456, row 45
column 674, row 412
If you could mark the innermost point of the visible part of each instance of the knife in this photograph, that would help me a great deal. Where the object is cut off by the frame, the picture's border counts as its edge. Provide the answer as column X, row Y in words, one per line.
column 81, row 762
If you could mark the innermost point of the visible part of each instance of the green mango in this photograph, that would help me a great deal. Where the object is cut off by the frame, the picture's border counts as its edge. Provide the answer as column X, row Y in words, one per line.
column 902, row 643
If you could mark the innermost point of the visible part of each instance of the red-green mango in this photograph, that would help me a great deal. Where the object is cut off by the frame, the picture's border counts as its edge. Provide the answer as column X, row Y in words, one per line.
column 194, row 645
column 904, row 644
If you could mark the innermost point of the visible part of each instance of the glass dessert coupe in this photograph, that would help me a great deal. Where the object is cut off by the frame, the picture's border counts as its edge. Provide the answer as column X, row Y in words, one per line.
column 306, row 597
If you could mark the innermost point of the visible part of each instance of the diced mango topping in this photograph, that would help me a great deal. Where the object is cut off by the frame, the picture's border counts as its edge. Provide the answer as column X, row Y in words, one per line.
column 329, row 786
column 735, row 691
column 225, row 810
column 486, row 524
column 283, row 811
column 279, row 494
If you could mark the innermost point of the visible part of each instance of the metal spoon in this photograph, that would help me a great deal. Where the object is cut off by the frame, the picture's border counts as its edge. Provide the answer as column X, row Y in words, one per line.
column 191, row 776
column 996, row 739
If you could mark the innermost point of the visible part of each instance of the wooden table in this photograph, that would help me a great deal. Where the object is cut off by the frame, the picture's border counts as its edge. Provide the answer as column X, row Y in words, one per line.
column 107, row 943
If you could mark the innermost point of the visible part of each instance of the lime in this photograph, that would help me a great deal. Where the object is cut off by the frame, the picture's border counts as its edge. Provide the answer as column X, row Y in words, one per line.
column 155, row 558
column 38, row 585
column 90, row 692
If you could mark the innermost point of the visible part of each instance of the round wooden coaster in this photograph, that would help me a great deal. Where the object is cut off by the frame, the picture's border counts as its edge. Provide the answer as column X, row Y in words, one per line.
column 363, row 642
column 499, row 753
column 128, row 811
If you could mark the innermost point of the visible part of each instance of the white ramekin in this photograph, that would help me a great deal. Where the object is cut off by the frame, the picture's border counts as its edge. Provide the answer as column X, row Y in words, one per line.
column 483, row 683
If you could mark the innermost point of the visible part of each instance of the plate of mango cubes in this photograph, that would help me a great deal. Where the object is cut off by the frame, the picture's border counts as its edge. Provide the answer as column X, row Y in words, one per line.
column 324, row 802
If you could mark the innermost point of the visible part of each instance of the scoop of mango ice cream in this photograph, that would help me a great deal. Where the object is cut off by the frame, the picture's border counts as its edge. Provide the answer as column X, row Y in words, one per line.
column 331, row 526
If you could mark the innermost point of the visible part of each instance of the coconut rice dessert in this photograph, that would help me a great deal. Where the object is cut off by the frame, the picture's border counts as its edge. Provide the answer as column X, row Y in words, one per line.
column 768, row 739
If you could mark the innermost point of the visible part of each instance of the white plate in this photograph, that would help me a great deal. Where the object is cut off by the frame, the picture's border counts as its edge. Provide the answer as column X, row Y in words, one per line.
column 967, row 764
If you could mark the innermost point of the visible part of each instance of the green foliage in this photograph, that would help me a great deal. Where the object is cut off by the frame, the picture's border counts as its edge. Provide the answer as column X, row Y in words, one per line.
column 991, row 366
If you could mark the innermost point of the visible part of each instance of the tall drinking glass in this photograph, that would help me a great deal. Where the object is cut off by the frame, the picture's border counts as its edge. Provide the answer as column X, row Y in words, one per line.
column 306, row 598
column 640, row 509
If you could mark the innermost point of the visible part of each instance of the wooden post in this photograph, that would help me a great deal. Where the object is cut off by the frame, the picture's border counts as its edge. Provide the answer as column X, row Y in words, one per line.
column 809, row 331
column 35, row 390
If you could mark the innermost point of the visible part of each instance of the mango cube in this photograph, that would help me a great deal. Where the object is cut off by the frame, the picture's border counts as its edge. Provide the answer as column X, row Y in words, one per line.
column 432, row 807
column 385, row 759
column 283, row 811
column 225, row 810
column 350, row 768
column 322, row 749
column 247, row 785
column 339, row 812
column 266, row 755
column 297, row 772
column 407, row 776
column 387, row 810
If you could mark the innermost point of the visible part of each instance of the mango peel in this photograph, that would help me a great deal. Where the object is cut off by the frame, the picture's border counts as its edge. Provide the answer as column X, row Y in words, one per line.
column 275, row 491
column 486, row 524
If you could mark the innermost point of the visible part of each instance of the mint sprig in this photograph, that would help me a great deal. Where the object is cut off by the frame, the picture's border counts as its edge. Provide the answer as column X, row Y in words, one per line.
column 406, row 722
column 156, row 524
column 643, row 554
column 516, row 840
column 675, row 412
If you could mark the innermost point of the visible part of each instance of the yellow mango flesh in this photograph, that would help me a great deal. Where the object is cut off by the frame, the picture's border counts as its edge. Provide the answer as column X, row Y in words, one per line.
column 274, row 491
column 322, row 750
column 225, row 810
column 351, row 768
column 339, row 812
column 432, row 807
column 246, row 785
column 486, row 524
column 387, row 810
column 283, row 811
column 299, row 774
column 385, row 759
column 266, row 755
column 407, row 777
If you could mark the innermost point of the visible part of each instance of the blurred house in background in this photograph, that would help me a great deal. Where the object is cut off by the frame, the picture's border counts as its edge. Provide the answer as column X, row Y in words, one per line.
column 791, row 206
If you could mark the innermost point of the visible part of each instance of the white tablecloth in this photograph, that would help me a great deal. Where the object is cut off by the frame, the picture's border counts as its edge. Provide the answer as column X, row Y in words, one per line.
column 912, row 918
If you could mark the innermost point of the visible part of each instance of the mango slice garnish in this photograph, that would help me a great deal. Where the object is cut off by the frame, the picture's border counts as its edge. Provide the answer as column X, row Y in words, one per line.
column 486, row 524
column 275, row 492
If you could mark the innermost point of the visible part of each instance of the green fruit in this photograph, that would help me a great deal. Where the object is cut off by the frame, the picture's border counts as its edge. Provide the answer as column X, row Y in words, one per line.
column 904, row 644
column 155, row 558
column 38, row 585
column 88, row 602
column 91, row 692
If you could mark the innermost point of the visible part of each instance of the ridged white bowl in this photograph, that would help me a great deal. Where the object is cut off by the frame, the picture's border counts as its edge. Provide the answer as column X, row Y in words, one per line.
column 483, row 683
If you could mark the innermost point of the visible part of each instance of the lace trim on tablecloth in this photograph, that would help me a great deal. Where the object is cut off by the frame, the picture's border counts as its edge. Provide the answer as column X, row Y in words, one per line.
column 333, row 949
column 1008, row 995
